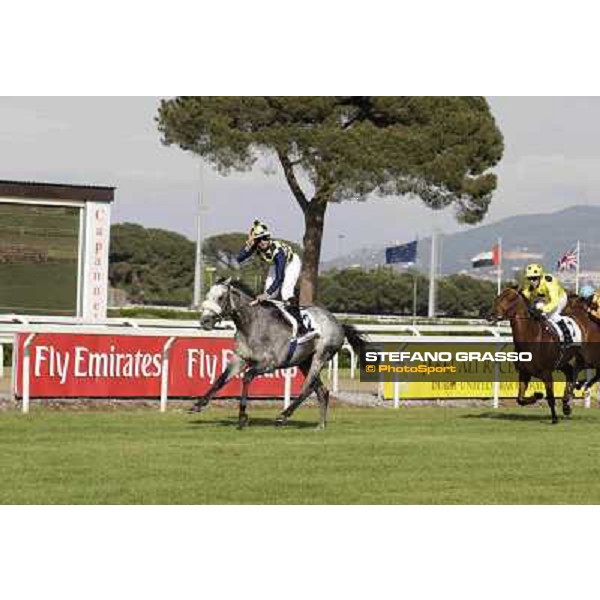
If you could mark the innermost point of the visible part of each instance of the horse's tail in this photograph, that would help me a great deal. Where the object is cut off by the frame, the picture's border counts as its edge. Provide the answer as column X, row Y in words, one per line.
column 356, row 339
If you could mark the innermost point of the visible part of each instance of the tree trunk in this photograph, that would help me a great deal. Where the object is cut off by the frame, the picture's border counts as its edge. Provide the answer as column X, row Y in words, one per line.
column 314, row 219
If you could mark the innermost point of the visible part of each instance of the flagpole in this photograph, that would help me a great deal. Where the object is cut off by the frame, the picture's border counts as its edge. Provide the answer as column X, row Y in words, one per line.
column 415, row 283
column 577, row 267
column 414, row 296
column 499, row 265
column 432, row 274
column 198, row 266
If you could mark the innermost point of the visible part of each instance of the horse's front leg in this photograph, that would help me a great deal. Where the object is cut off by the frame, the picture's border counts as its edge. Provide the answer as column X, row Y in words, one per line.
column 524, row 379
column 549, row 383
column 249, row 375
column 235, row 366
column 577, row 368
column 570, row 375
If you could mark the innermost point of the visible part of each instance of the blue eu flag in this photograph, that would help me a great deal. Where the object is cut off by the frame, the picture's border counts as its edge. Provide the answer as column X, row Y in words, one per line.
column 406, row 253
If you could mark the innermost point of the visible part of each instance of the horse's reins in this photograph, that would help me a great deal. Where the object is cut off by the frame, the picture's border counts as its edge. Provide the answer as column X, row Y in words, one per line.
column 216, row 308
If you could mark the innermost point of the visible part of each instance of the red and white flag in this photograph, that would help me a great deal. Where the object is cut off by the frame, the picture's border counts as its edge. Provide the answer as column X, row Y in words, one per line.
column 568, row 261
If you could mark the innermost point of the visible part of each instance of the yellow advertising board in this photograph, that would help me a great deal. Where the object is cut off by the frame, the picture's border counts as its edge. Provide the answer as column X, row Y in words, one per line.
column 458, row 389
column 475, row 374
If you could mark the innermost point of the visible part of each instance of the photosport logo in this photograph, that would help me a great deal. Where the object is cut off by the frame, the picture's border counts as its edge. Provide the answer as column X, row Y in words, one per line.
column 457, row 362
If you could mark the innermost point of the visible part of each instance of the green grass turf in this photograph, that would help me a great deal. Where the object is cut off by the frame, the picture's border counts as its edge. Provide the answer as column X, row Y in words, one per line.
column 46, row 287
column 416, row 455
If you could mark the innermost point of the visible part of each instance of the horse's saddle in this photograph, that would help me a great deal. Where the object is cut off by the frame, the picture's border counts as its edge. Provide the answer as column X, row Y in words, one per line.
column 305, row 328
column 300, row 320
column 566, row 330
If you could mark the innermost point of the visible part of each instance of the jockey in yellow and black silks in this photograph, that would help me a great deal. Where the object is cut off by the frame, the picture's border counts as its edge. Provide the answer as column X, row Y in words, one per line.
column 545, row 290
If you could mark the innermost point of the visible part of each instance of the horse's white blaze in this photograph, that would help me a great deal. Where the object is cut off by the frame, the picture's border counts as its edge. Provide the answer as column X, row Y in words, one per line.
column 210, row 307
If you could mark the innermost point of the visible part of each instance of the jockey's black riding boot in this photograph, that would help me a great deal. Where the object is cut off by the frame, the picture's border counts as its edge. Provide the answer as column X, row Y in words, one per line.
column 294, row 310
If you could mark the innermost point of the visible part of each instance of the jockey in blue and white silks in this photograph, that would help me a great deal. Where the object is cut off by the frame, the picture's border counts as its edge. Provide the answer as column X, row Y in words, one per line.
column 284, row 269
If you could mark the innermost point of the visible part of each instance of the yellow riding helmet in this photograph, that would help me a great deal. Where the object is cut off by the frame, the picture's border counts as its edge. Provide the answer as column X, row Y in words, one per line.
column 534, row 270
column 259, row 231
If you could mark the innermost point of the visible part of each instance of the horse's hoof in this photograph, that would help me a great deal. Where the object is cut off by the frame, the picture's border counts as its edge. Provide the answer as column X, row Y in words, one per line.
column 320, row 427
column 243, row 423
column 280, row 421
column 196, row 408
column 537, row 396
column 527, row 401
column 554, row 421
column 567, row 410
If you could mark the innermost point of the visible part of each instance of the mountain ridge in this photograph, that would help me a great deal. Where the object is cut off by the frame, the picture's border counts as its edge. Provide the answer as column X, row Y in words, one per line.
column 535, row 237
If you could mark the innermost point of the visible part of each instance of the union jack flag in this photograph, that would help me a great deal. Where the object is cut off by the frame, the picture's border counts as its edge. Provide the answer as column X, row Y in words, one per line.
column 568, row 261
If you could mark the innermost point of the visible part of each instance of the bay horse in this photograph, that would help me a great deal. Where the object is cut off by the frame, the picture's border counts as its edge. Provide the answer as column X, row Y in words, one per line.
column 589, row 355
column 531, row 333
column 263, row 344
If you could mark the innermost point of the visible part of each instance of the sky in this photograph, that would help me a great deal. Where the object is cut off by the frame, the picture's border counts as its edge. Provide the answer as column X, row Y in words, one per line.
column 550, row 162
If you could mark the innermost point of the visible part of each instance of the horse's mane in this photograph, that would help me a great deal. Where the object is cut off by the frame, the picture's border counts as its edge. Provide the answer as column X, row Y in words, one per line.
column 240, row 286
column 245, row 289
column 576, row 301
column 513, row 288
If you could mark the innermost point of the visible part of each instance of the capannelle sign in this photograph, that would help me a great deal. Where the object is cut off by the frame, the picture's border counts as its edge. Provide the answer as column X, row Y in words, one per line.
column 118, row 366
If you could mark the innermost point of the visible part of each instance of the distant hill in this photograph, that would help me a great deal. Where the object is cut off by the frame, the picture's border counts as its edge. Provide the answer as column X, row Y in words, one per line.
column 525, row 238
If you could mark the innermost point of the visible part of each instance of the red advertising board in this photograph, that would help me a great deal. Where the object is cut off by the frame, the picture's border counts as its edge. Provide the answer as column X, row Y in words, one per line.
column 120, row 366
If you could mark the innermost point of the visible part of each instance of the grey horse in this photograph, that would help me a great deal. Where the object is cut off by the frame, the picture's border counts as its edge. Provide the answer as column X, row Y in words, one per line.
column 263, row 344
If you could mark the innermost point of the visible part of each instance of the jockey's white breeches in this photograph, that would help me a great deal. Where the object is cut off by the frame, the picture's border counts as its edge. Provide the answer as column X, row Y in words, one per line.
column 555, row 315
column 290, row 278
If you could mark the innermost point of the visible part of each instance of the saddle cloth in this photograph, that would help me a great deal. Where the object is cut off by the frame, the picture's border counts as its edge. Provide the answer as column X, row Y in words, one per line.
column 306, row 319
column 312, row 330
column 295, row 341
column 573, row 328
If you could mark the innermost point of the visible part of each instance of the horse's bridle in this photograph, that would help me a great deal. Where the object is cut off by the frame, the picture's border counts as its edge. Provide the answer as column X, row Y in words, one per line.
column 501, row 317
column 515, row 317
